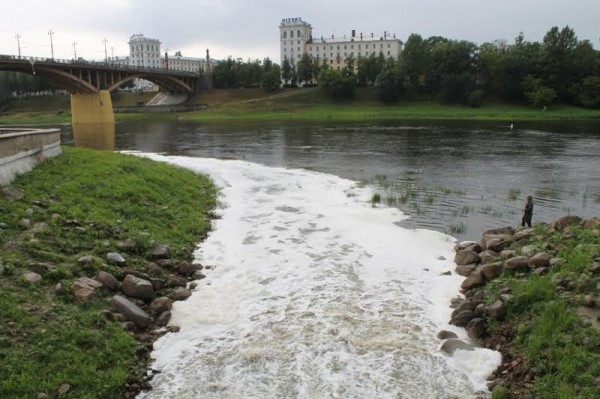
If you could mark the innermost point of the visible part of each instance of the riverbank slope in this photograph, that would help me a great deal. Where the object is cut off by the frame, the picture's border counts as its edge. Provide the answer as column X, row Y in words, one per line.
column 76, row 234
column 306, row 104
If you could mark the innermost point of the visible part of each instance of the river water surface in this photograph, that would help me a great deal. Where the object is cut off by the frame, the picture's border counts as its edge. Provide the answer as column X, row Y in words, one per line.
column 318, row 290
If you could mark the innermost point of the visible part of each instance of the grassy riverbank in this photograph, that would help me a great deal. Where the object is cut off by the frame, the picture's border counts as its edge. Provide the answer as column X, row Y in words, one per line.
column 84, row 203
column 309, row 104
column 550, row 335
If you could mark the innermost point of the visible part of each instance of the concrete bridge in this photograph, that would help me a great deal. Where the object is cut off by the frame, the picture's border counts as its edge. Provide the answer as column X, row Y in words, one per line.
column 90, row 83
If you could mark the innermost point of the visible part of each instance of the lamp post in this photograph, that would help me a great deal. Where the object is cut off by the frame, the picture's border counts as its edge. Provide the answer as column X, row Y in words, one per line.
column 18, row 37
column 75, row 51
column 105, row 52
column 50, row 33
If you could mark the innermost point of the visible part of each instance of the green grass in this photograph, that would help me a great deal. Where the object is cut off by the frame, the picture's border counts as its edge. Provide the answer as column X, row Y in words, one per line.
column 309, row 104
column 83, row 203
column 562, row 348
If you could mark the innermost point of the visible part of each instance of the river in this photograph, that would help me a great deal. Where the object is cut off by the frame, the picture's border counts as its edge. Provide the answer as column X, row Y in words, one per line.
column 315, row 289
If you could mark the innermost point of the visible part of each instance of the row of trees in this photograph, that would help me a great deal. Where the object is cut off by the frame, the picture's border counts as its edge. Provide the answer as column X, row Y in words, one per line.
column 232, row 73
column 560, row 68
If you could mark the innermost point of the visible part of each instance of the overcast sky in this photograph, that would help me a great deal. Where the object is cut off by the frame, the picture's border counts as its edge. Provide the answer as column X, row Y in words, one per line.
column 250, row 28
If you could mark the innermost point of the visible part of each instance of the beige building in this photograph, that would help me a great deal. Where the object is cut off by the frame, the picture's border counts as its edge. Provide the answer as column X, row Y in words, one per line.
column 296, row 39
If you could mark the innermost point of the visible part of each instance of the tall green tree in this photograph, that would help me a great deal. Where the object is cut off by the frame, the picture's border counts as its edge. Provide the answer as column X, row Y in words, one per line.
column 305, row 69
column 286, row 70
column 414, row 59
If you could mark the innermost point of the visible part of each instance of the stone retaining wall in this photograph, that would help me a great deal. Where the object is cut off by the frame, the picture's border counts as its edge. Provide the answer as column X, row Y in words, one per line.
column 22, row 149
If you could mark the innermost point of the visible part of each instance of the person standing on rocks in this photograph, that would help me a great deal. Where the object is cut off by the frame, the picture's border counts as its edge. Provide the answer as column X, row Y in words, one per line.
column 527, row 212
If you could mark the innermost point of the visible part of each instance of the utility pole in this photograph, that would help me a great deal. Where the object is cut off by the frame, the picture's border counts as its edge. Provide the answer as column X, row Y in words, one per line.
column 18, row 37
column 75, row 51
column 50, row 33
column 105, row 52
column 112, row 52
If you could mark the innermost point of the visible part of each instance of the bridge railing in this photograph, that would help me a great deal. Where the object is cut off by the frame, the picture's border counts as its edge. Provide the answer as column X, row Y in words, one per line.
column 108, row 64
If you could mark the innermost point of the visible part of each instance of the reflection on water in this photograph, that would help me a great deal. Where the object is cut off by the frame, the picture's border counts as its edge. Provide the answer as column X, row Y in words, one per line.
column 100, row 136
column 457, row 177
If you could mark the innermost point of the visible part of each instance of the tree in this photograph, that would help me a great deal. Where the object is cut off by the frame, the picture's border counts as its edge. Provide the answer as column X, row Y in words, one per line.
column 286, row 71
column 537, row 93
column 271, row 75
column 336, row 85
column 349, row 67
column 389, row 85
column 589, row 92
column 558, row 50
column 305, row 69
column 414, row 60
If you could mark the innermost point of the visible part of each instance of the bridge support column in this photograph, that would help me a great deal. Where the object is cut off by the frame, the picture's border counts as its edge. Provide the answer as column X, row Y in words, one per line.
column 92, row 108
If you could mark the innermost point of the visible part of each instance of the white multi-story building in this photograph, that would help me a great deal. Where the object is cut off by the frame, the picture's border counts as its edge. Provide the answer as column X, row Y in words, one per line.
column 296, row 39
column 144, row 52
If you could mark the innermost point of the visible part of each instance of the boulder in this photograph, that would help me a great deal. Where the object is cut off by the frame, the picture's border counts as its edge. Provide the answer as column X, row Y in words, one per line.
column 491, row 271
column 127, row 245
column 566, row 221
column 445, row 334
column 523, row 234
column 528, row 250
column 467, row 304
column 472, row 281
column 107, row 280
column 540, row 259
column 462, row 319
column 508, row 230
column 452, row 345
column 32, row 278
column 465, row 244
column 12, row 193
column 187, row 269
column 161, row 252
column 86, row 260
column 498, row 239
column 180, row 294
column 116, row 258
column 518, row 262
column 507, row 253
column 83, row 291
column 476, row 328
column 466, row 256
column 497, row 310
column 163, row 319
column 465, row 270
column 487, row 256
column 131, row 311
column 160, row 305
column 137, row 287
column 593, row 223
column 176, row 281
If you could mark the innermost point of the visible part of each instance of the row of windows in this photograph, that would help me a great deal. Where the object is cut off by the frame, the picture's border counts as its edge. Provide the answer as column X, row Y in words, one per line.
column 298, row 34
column 285, row 42
column 374, row 46
column 148, row 48
column 338, row 56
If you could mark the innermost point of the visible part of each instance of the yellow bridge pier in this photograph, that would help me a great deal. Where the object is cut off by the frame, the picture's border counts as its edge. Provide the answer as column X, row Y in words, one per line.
column 93, row 120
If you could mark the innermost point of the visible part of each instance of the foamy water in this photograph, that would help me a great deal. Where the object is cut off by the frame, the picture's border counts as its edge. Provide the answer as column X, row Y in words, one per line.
column 313, row 294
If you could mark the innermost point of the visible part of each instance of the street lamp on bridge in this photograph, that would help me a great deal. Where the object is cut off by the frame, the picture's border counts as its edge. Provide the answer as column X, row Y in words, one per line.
column 75, row 51
column 105, row 52
column 18, row 37
column 50, row 33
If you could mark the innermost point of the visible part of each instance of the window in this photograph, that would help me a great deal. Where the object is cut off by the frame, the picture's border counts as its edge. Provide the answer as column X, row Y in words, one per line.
column 388, row 45
column 284, row 34
column 367, row 46
column 298, row 32
column 298, row 41
column 388, row 52
column 292, row 34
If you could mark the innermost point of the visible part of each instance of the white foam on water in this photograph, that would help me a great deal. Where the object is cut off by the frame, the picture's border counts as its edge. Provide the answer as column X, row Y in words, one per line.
column 313, row 293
